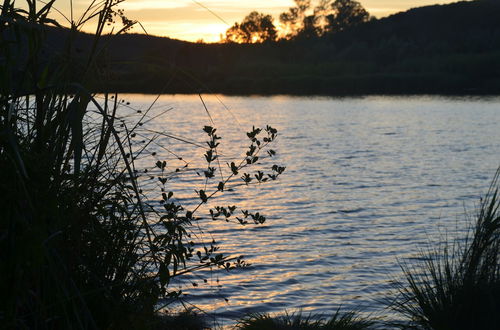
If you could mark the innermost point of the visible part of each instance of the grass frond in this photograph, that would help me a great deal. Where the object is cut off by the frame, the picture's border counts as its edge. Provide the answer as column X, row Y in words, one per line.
column 457, row 286
column 300, row 321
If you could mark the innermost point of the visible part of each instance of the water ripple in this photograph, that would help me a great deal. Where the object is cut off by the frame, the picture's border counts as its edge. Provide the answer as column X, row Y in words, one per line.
column 369, row 181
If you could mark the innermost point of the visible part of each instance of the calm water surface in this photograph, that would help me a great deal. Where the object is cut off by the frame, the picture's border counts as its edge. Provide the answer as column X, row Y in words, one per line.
column 369, row 181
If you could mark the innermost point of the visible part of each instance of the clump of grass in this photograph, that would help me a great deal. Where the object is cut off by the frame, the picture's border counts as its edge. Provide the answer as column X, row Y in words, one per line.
column 457, row 286
column 71, row 244
column 185, row 320
column 299, row 321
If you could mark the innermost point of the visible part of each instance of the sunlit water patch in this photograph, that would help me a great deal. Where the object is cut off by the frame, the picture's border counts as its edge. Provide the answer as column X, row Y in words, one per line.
column 369, row 181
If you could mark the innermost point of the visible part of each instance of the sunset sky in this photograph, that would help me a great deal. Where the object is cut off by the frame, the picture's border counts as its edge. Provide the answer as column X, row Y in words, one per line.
column 191, row 20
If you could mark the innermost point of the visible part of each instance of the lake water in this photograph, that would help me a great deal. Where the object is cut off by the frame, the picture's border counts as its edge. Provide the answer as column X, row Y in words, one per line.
column 368, row 181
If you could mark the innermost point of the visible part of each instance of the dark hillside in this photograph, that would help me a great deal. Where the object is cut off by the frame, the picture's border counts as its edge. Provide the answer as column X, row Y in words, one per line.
column 463, row 27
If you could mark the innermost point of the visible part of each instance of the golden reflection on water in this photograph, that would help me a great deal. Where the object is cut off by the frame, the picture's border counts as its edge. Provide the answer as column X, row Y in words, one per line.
column 368, row 181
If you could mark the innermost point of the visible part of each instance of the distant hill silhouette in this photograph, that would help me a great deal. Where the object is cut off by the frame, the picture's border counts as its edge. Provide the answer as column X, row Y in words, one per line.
column 447, row 49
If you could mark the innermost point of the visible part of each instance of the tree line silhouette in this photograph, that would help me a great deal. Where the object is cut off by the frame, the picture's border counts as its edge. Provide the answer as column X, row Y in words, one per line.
column 306, row 19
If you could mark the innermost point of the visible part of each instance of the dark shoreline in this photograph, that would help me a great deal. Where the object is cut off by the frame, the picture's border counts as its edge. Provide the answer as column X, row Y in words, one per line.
column 340, row 96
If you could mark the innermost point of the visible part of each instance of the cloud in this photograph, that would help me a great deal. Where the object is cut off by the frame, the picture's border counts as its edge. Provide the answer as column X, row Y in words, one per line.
column 214, row 5
column 152, row 4
column 255, row 4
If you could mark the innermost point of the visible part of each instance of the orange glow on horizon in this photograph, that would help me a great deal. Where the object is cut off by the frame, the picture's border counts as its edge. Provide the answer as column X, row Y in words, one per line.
column 207, row 20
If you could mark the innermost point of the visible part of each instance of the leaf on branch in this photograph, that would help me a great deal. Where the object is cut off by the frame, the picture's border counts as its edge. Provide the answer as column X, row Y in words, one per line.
column 234, row 168
column 203, row 196
column 164, row 274
column 209, row 130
